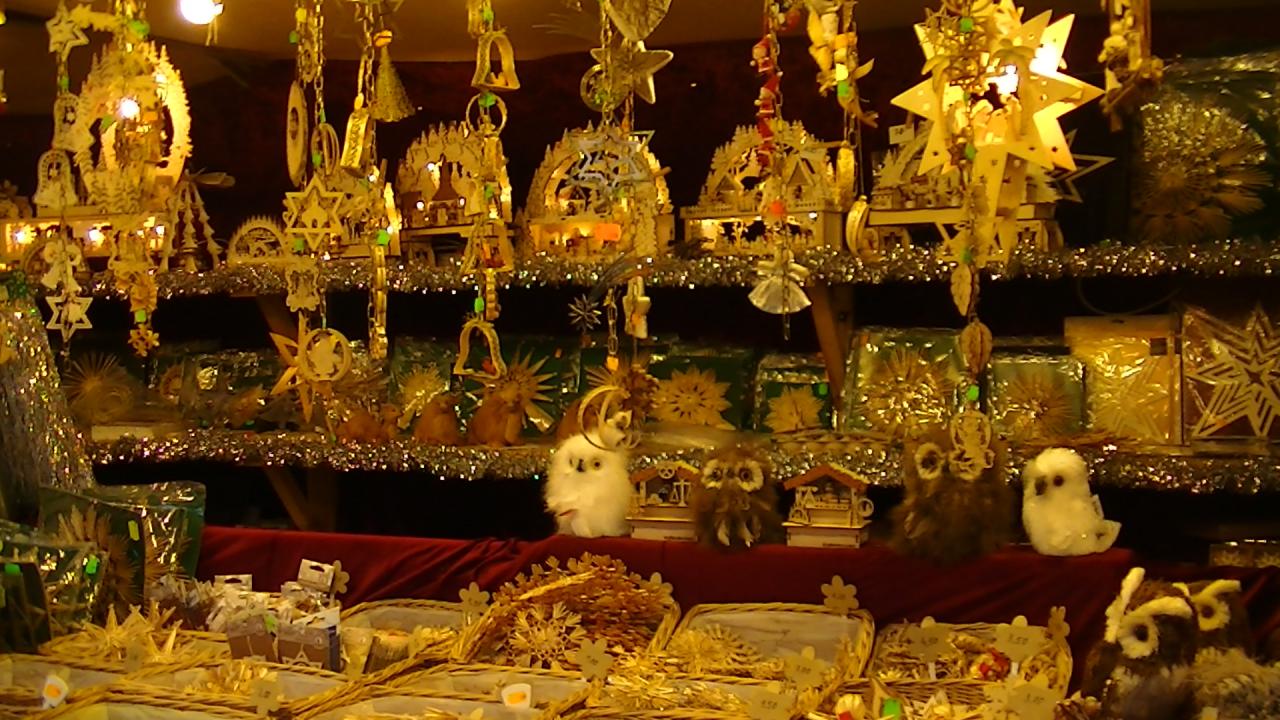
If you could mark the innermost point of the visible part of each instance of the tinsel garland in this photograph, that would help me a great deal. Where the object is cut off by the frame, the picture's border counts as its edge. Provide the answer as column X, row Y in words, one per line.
column 1154, row 468
column 898, row 264
column 38, row 445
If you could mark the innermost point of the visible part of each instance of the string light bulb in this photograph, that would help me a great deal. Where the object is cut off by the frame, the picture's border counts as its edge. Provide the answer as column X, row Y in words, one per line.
column 129, row 109
column 200, row 12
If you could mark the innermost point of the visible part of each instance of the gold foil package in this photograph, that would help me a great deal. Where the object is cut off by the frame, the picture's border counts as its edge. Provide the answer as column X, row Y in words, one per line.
column 1229, row 392
column 24, row 614
column 1132, row 383
column 70, row 572
column 1036, row 399
column 902, row 382
column 792, row 393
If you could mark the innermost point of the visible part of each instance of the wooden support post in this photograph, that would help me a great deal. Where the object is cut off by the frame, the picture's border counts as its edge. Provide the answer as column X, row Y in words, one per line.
column 322, row 493
column 833, row 318
column 287, row 489
column 279, row 320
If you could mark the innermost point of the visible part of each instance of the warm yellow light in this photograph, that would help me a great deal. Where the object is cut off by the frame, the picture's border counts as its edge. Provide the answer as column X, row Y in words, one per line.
column 96, row 236
column 22, row 236
column 200, row 12
column 1006, row 83
column 420, row 205
column 129, row 109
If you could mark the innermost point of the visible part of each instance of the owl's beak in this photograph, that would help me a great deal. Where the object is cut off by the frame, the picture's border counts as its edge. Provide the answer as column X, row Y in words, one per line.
column 1041, row 486
column 581, row 466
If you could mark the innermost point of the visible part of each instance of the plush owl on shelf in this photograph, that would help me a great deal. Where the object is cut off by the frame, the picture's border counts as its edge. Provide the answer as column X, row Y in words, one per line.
column 952, row 509
column 1060, row 514
column 735, row 502
column 1220, row 614
column 588, row 488
column 1142, row 668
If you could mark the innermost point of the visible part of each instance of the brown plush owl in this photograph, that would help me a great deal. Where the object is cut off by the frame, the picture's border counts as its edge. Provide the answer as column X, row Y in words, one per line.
column 735, row 502
column 952, row 508
column 1220, row 613
column 1141, row 669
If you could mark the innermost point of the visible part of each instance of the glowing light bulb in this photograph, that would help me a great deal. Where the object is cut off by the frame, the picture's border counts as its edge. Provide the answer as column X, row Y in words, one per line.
column 200, row 12
column 420, row 205
column 129, row 109
column 96, row 237
column 1046, row 60
column 22, row 237
column 1006, row 84
column 431, row 167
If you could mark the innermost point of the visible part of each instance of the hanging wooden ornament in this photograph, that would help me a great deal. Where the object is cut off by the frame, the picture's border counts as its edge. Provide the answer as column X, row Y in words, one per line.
column 391, row 102
column 356, row 147
column 325, row 149
column 636, row 19
column 296, row 134
column 485, row 78
column 494, row 366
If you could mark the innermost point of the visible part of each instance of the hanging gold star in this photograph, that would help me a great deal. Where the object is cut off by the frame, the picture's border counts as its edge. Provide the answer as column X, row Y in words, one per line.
column 311, row 214
column 634, row 67
column 64, row 32
column 1239, row 367
column 70, row 313
column 289, row 379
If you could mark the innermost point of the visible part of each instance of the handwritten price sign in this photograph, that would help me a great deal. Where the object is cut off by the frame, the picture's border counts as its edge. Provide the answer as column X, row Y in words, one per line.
column 1019, row 641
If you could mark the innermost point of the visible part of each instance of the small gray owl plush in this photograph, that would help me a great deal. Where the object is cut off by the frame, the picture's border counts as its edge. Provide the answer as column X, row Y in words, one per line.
column 1221, row 615
column 1142, row 668
column 735, row 502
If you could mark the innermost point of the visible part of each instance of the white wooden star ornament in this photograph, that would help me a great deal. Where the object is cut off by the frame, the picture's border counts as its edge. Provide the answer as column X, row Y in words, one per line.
column 64, row 32
column 70, row 313
column 311, row 215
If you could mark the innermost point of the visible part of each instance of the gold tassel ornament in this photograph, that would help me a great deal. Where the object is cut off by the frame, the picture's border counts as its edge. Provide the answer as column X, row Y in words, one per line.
column 390, row 100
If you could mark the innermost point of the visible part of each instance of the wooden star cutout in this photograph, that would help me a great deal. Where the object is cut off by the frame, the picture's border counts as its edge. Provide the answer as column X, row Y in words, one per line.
column 70, row 313
column 635, row 67
column 312, row 214
column 1242, row 368
column 289, row 379
column 1064, row 181
column 64, row 32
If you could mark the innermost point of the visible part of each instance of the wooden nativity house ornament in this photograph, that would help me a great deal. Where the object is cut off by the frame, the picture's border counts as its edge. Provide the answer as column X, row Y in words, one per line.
column 599, row 192
column 660, row 507
column 726, row 220
column 831, row 508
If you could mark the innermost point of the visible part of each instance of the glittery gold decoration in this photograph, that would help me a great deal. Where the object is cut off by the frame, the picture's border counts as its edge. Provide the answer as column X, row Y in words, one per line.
column 313, row 362
column 99, row 389
column 903, row 388
column 524, row 381
column 715, row 650
column 795, row 409
column 419, row 389
column 1232, row 373
column 118, row 572
column 655, row 682
column 634, row 66
column 1031, row 401
column 692, row 396
column 1198, row 167
column 1133, row 382
column 140, row 640
column 790, row 456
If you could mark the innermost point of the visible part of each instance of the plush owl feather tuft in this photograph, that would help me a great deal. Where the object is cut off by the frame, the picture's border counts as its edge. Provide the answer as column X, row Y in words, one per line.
column 735, row 501
column 588, row 488
column 945, row 517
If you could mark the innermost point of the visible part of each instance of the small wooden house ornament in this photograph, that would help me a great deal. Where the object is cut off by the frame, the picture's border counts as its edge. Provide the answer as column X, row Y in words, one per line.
column 830, row 509
column 660, row 507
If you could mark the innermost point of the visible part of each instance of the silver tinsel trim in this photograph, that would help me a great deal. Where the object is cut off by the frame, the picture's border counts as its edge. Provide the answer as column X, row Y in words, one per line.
column 39, row 446
column 1220, row 259
column 1157, row 469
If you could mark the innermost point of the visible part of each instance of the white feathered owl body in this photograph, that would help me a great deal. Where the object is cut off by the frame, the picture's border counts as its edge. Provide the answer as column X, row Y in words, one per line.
column 1060, row 514
column 588, row 488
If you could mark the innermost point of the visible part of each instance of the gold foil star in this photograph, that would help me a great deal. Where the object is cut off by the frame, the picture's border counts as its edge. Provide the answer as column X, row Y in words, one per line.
column 312, row 214
column 634, row 67
column 64, row 32
column 70, row 313
column 289, row 380
column 1239, row 367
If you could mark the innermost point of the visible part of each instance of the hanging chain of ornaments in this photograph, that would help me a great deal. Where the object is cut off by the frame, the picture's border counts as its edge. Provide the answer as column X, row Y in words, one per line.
column 780, row 287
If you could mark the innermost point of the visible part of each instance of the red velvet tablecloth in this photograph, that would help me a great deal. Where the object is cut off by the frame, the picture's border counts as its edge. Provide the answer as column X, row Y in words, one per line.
column 997, row 588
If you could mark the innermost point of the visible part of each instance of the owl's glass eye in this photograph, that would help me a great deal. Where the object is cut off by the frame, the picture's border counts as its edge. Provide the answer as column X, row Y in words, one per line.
column 744, row 474
column 1058, row 481
column 595, row 464
column 1207, row 611
column 1141, row 634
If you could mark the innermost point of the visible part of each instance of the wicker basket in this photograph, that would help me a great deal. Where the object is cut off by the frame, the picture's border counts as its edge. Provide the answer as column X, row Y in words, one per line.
column 964, row 691
column 28, row 673
column 142, row 703
column 301, row 686
column 375, row 702
column 554, row 691
column 360, row 622
column 191, row 647
column 748, row 620
column 604, row 713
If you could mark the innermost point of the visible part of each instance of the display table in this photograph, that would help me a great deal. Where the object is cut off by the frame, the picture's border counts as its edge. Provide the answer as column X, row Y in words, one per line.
column 1016, row 581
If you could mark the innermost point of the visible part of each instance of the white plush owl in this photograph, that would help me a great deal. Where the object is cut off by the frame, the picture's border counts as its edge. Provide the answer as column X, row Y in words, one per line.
column 588, row 488
column 1060, row 514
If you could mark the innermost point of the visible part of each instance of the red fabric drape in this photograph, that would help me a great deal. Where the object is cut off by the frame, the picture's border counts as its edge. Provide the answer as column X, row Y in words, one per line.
column 997, row 588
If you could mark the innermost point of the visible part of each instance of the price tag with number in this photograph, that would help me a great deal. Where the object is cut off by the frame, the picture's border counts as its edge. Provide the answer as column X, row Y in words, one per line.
column 804, row 670
column 1033, row 700
column 768, row 705
column 1019, row 641
column 927, row 641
